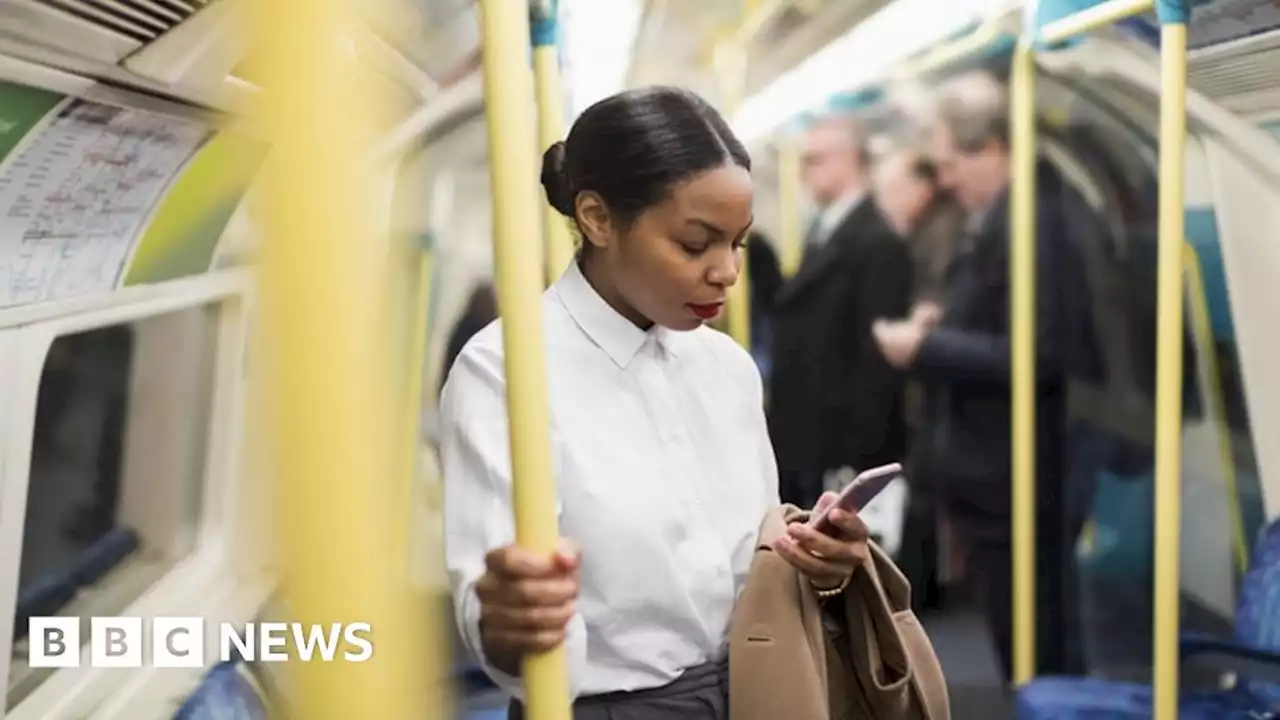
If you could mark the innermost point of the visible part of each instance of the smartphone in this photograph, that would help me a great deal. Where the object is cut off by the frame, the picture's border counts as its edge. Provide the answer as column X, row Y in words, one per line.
column 857, row 494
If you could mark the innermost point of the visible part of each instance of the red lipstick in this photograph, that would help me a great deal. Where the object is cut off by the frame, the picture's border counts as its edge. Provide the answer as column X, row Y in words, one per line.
column 706, row 312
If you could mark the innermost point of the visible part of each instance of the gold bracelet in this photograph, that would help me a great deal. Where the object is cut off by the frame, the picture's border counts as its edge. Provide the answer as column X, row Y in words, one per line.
column 824, row 594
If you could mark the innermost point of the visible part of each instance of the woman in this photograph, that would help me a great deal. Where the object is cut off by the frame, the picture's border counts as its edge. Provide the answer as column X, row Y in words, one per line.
column 663, row 464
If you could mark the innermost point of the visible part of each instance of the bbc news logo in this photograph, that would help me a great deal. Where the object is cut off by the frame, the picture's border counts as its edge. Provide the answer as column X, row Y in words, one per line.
column 179, row 642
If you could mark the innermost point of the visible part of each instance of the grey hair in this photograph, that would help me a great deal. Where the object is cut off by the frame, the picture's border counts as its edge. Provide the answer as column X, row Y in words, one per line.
column 855, row 130
column 975, row 108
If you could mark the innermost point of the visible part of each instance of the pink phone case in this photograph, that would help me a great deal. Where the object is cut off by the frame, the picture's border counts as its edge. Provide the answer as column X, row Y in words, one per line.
column 858, row 493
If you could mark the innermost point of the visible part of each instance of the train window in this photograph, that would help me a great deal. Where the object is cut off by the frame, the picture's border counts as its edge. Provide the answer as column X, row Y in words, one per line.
column 117, row 470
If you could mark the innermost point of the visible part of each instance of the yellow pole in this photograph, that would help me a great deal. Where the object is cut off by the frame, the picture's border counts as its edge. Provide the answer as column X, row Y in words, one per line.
column 1022, row 299
column 1210, row 374
column 730, row 63
column 328, row 365
column 789, row 205
column 546, row 68
column 415, row 260
column 1169, row 370
column 509, row 96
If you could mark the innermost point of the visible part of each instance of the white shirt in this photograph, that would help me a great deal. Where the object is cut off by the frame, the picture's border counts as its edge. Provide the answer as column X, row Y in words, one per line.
column 664, row 471
column 835, row 213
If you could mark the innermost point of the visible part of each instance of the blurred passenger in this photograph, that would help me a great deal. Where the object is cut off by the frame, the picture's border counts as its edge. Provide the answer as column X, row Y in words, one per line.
column 834, row 401
column 907, row 193
column 964, row 347
column 765, row 274
column 482, row 309
column 663, row 464
column 906, row 185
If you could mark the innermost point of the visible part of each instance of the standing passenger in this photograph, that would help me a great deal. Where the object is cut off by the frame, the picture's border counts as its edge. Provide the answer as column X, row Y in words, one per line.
column 966, row 352
column 834, row 401
column 663, row 464
column 907, row 193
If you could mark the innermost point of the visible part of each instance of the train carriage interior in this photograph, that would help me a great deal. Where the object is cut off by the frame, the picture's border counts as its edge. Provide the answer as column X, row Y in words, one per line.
column 138, row 474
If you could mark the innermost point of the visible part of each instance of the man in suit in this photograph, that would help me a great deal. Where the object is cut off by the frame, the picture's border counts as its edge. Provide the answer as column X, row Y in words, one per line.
column 834, row 401
column 963, row 350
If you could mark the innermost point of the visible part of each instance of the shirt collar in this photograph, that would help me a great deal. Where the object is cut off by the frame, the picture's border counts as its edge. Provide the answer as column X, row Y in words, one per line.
column 835, row 213
column 980, row 219
column 607, row 328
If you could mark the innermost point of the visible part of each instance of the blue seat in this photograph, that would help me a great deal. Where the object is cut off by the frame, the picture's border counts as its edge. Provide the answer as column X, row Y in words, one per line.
column 48, row 595
column 225, row 693
column 1253, row 654
column 43, row 598
column 104, row 554
column 488, row 705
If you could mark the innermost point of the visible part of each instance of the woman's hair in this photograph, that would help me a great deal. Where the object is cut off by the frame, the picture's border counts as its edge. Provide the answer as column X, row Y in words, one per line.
column 633, row 147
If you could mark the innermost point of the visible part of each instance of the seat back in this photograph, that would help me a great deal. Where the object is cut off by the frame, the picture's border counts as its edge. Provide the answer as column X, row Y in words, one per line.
column 49, row 595
column 1258, row 608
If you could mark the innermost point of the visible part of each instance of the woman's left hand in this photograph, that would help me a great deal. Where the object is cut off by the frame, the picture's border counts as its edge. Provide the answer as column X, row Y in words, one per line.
column 827, row 561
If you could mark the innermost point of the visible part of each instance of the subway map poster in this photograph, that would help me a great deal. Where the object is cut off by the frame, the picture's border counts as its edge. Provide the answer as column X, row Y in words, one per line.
column 93, row 198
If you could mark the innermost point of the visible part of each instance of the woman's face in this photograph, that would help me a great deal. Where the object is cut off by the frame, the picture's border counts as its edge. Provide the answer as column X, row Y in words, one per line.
column 675, row 264
column 902, row 196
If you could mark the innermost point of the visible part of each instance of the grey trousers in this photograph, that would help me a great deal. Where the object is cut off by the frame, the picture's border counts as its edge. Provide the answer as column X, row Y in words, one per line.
column 701, row 693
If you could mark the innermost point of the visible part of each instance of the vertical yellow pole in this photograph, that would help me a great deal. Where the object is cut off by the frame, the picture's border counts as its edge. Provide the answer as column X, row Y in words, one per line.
column 738, row 306
column 1207, row 362
column 1169, row 370
column 435, row 635
column 789, row 205
column 546, row 68
column 328, row 362
column 1022, row 312
column 509, row 97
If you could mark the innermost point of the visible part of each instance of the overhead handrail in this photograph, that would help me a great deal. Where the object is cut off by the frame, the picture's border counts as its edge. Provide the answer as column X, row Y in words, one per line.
column 1173, row 16
column 954, row 51
column 509, row 92
column 326, row 357
column 459, row 99
column 756, row 14
column 546, row 69
column 1093, row 18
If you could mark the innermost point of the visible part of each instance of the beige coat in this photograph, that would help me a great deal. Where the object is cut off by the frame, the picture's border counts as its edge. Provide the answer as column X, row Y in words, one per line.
column 788, row 660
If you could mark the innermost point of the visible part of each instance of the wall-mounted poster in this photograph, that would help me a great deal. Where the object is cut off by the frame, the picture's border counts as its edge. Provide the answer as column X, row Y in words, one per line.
column 94, row 197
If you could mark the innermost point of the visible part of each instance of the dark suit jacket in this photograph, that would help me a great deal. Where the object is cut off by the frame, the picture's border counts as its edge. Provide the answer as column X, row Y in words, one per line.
column 967, row 357
column 834, row 401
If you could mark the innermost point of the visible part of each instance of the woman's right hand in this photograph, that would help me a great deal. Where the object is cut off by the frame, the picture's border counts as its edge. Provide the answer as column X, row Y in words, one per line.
column 526, row 602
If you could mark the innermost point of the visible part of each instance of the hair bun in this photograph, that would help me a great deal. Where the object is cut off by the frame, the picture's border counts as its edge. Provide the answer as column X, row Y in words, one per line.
column 555, row 183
